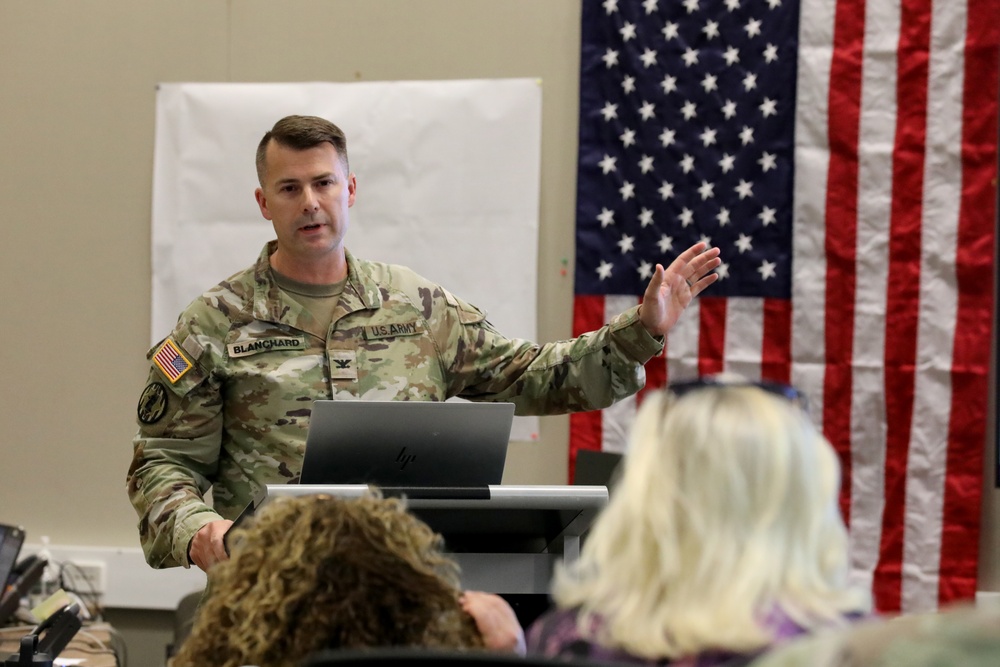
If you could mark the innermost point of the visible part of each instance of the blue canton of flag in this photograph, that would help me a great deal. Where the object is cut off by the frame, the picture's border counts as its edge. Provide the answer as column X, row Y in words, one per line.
column 687, row 119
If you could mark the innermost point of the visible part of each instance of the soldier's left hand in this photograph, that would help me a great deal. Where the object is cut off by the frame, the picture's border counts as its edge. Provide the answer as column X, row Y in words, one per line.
column 208, row 545
column 670, row 290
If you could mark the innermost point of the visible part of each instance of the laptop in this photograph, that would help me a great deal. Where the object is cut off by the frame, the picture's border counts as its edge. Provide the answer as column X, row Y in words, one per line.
column 417, row 449
column 11, row 539
column 409, row 444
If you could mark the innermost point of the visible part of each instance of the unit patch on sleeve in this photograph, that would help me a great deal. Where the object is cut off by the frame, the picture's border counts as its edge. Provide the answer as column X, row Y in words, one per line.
column 171, row 361
column 152, row 403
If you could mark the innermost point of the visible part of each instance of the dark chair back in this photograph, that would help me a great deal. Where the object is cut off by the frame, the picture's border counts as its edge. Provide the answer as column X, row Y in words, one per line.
column 420, row 657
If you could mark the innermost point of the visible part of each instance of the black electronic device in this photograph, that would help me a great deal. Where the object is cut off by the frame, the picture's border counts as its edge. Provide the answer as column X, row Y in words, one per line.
column 25, row 575
column 407, row 444
column 28, row 654
column 11, row 539
column 597, row 468
column 42, row 646
column 58, row 629
column 245, row 516
column 24, row 566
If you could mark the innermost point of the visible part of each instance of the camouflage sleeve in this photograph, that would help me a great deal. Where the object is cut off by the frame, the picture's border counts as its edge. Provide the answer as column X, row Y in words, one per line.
column 175, row 453
column 589, row 372
column 959, row 635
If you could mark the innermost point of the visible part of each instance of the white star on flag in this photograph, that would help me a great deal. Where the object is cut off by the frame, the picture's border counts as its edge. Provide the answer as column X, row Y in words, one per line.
column 767, row 270
column 744, row 189
column 744, row 244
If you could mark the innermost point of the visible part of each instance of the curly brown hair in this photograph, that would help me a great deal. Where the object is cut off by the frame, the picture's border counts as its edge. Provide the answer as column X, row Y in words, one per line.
column 318, row 572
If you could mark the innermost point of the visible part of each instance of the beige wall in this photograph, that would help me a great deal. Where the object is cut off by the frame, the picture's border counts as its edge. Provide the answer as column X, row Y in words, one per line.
column 77, row 82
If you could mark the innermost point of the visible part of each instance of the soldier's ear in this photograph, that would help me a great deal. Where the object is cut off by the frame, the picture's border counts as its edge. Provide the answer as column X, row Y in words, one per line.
column 262, row 203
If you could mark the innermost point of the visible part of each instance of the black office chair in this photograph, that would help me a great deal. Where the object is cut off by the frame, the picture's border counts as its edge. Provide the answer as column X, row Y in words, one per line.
column 184, row 617
column 419, row 657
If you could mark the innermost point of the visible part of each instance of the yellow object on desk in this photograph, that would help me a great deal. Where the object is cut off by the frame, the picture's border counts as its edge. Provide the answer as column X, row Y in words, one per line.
column 51, row 605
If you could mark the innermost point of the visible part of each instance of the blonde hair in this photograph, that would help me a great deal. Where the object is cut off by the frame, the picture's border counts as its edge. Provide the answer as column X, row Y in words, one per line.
column 318, row 572
column 726, row 512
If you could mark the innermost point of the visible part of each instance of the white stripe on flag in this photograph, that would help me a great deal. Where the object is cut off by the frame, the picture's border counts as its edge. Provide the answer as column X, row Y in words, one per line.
column 927, row 463
column 682, row 345
column 616, row 420
column 744, row 336
column 811, row 167
column 876, row 137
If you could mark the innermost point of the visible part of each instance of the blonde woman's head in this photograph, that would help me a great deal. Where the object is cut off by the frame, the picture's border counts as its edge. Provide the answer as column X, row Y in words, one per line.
column 726, row 512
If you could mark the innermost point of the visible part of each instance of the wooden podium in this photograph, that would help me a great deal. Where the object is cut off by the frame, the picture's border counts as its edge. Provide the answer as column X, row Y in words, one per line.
column 505, row 538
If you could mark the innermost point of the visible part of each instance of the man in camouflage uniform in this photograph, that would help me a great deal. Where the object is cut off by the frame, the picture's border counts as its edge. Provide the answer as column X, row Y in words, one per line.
column 231, row 389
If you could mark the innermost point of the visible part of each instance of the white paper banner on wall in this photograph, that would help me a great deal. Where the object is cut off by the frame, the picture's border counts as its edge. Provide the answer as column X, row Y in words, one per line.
column 448, row 184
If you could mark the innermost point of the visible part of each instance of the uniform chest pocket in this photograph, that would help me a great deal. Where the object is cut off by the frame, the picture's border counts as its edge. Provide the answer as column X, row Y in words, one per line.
column 375, row 332
column 402, row 365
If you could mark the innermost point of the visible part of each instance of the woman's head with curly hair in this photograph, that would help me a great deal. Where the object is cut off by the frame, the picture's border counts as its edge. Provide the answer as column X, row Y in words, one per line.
column 318, row 572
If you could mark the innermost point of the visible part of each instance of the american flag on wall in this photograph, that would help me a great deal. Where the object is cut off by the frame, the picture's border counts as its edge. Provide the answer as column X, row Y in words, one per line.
column 843, row 156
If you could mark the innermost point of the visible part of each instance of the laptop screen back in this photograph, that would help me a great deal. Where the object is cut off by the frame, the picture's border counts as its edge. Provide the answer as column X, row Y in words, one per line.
column 407, row 443
column 596, row 468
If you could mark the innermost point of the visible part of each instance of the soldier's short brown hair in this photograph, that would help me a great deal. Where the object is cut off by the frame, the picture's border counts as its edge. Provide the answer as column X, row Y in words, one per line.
column 300, row 133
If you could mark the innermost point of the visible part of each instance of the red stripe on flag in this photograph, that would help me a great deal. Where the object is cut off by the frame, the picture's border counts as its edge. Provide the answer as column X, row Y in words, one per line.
column 975, row 275
column 711, row 335
column 588, row 313
column 776, row 355
column 841, row 231
column 903, row 295
column 585, row 427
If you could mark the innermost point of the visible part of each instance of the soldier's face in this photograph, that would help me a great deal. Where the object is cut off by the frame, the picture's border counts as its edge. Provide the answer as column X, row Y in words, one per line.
column 306, row 194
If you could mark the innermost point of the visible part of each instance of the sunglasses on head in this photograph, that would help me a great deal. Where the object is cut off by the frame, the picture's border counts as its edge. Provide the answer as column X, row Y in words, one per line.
column 786, row 391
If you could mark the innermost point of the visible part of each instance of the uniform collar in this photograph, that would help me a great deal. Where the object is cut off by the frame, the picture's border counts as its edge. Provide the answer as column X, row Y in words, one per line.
column 361, row 292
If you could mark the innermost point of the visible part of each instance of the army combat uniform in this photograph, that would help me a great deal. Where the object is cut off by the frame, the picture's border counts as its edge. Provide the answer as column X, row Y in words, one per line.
column 230, row 391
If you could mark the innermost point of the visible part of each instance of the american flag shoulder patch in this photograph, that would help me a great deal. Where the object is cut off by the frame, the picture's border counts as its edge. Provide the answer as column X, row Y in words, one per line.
column 171, row 361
